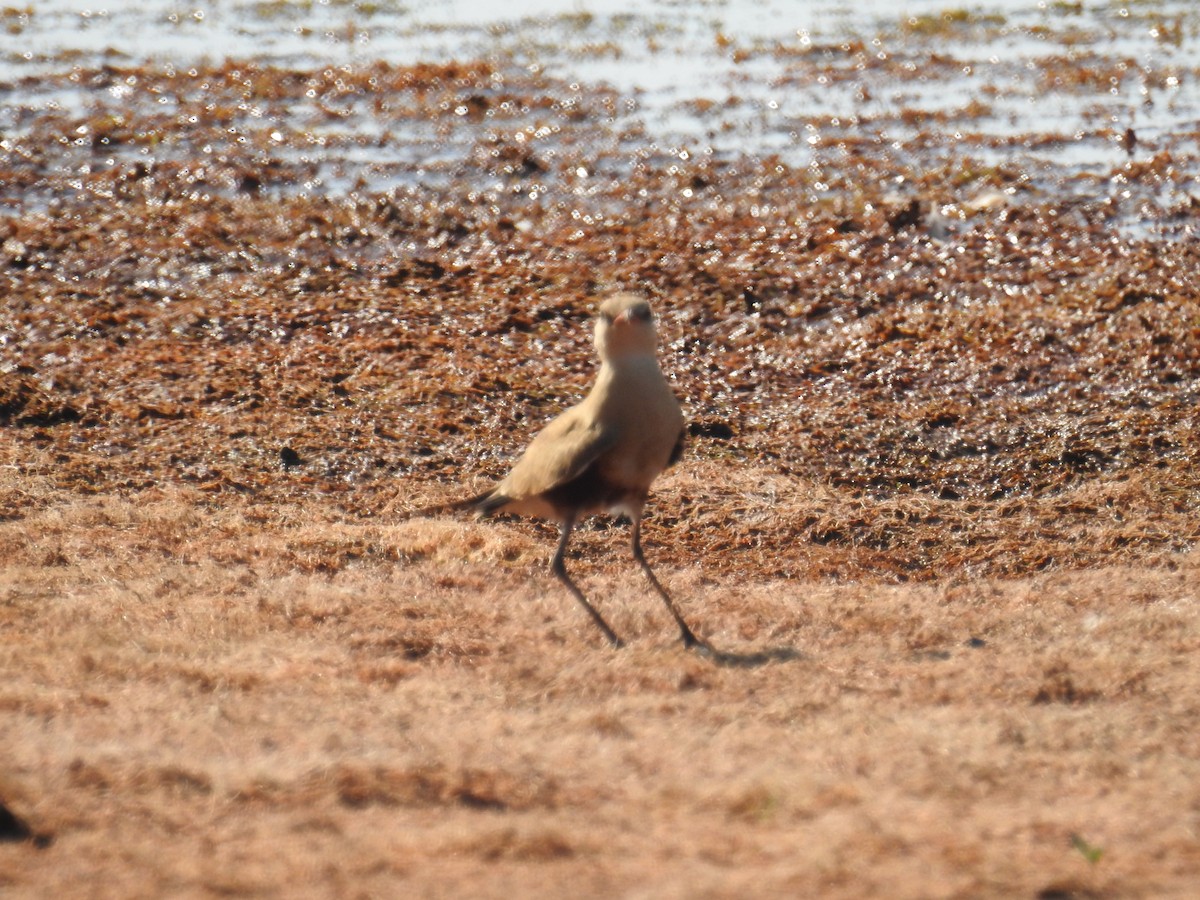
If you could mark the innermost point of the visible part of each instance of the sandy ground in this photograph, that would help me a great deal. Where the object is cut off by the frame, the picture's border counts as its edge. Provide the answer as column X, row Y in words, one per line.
column 186, row 715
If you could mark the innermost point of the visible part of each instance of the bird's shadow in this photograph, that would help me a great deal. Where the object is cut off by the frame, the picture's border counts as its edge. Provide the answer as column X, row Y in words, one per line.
column 731, row 659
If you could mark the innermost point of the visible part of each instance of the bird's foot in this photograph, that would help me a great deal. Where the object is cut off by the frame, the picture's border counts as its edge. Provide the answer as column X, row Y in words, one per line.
column 695, row 644
column 613, row 641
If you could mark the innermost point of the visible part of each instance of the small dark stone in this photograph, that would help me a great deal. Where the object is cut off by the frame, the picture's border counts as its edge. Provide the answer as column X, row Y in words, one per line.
column 905, row 216
column 13, row 830
column 717, row 431
column 290, row 458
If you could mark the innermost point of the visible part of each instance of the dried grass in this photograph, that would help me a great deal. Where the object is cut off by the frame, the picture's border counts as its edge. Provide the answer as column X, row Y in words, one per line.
column 187, row 712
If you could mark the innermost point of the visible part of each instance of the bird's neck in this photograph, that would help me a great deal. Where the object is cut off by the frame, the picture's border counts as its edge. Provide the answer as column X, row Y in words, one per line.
column 622, row 365
column 628, row 380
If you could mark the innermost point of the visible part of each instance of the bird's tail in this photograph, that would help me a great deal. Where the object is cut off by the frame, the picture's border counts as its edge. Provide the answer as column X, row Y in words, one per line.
column 487, row 502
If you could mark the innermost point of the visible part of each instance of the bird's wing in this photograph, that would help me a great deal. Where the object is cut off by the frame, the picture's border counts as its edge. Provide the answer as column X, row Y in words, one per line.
column 560, row 453
column 677, row 450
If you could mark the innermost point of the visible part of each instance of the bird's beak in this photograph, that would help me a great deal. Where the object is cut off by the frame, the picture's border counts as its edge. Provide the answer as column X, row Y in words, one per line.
column 622, row 318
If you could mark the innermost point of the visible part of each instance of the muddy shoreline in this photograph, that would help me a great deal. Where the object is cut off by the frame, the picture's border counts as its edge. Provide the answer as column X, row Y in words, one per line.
column 365, row 285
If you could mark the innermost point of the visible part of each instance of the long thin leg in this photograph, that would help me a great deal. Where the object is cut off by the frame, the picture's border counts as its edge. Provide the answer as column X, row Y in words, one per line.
column 689, row 639
column 559, row 568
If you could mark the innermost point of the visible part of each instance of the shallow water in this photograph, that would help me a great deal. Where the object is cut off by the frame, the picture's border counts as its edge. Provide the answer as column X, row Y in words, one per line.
column 1048, row 87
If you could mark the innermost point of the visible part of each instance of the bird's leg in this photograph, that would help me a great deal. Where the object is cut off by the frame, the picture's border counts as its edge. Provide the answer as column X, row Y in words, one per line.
column 559, row 568
column 689, row 638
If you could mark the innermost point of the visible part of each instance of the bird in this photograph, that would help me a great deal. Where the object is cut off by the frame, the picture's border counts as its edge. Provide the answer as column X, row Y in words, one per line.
column 1129, row 141
column 603, row 454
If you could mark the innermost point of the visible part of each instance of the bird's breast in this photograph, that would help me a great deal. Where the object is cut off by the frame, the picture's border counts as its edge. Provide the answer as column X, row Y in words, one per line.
column 647, row 418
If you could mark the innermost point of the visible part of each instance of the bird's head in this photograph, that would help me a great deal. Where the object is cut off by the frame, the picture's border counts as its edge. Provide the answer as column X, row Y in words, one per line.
column 625, row 327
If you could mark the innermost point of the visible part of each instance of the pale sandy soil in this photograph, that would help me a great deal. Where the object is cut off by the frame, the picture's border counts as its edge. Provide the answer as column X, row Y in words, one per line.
column 186, row 714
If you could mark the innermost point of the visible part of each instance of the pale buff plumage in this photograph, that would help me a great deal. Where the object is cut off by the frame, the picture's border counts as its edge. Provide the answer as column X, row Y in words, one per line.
column 604, row 453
